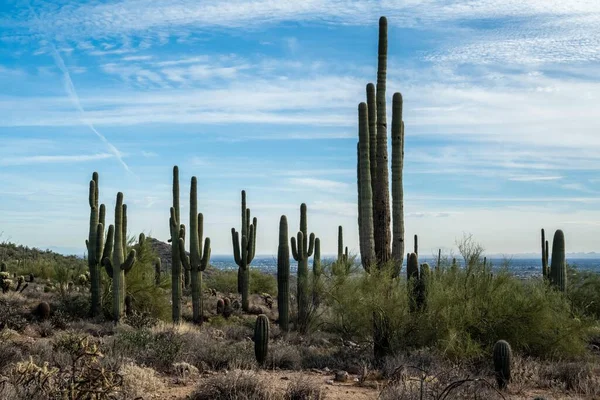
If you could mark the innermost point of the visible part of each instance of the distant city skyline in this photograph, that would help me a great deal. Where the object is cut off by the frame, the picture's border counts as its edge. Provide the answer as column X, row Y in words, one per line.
column 501, row 103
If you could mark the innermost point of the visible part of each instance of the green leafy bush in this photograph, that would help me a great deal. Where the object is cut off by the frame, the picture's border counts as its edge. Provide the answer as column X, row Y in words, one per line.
column 467, row 311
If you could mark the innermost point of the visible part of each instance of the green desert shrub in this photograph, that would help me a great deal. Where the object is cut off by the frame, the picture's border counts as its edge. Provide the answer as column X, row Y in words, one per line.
column 149, row 301
column 261, row 282
column 222, row 281
column 466, row 312
column 584, row 291
column 226, row 282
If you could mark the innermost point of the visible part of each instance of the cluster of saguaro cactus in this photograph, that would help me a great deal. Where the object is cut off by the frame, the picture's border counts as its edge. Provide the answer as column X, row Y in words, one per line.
column 373, row 184
column 243, row 252
column 301, row 251
column 261, row 338
column 199, row 257
column 502, row 362
column 177, row 231
column 283, row 275
column 95, row 245
column 558, row 266
column 114, row 262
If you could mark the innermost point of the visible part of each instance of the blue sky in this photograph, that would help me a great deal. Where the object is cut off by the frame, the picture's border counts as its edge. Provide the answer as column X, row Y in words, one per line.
column 501, row 101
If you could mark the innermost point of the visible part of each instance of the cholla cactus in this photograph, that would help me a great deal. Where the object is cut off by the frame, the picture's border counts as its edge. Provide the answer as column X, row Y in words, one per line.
column 82, row 280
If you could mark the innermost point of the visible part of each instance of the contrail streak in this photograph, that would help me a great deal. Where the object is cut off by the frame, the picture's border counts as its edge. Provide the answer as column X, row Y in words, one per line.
column 72, row 93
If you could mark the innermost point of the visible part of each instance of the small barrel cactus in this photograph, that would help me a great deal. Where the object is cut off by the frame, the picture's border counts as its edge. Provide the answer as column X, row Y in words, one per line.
column 220, row 306
column 227, row 309
column 502, row 361
column 261, row 338
column 42, row 311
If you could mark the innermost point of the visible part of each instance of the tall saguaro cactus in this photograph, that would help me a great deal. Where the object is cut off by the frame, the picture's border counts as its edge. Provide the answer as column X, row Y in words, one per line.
column 199, row 256
column 558, row 267
column 283, row 275
column 365, row 191
column 381, row 190
column 301, row 251
column 373, row 179
column 544, row 256
column 115, row 263
column 244, row 253
column 341, row 265
column 176, row 232
column 397, row 134
column 373, row 182
column 95, row 248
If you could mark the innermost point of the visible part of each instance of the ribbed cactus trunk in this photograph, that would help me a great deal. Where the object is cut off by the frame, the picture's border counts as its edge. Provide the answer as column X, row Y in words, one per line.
column 412, row 278
column 502, row 363
column 243, row 252
column 397, row 184
column 373, row 183
column 381, row 190
column 302, row 252
column 115, row 263
column 283, row 275
column 558, row 267
column 97, row 218
column 317, row 270
column 175, row 228
column 545, row 271
column 416, row 249
column 341, row 265
column 365, row 197
column 157, row 268
column 199, row 256
column 261, row 339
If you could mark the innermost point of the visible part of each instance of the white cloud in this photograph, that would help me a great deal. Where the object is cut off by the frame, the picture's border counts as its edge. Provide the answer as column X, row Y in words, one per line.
column 534, row 178
column 319, row 184
column 25, row 160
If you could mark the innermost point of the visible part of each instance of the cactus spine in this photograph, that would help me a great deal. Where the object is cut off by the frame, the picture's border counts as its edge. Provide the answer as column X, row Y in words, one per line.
column 261, row 338
column 283, row 275
column 97, row 219
column 199, row 256
column 301, row 252
column 558, row 267
column 115, row 263
column 502, row 363
column 244, row 254
column 176, row 231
